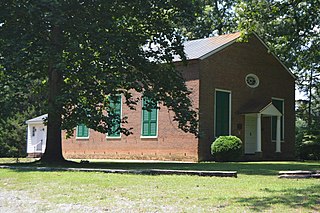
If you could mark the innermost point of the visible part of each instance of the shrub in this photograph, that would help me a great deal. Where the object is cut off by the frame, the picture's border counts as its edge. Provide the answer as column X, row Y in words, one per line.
column 227, row 148
column 310, row 147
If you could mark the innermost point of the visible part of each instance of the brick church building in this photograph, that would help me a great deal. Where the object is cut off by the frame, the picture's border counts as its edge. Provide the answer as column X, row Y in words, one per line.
column 240, row 88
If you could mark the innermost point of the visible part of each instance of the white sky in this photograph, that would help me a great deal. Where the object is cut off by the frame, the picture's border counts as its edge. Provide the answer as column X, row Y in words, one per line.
column 299, row 95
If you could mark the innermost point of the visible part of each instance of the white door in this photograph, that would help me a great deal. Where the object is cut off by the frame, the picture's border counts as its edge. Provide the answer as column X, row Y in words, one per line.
column 38, row 138
column 250, row 134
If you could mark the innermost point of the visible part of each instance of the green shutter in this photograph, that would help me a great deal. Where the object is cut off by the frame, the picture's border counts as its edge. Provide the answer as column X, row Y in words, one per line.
column 85, row 131
column 153, row 122
column 79, row 130
column 222, row 113
column 115, row 105
column 82, row 131
column 149, row 121
column 279, row 105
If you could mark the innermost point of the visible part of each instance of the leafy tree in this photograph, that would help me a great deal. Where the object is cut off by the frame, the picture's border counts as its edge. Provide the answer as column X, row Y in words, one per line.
column 307, row 134
column 83, row 51
column 291, row 29
column 18, row 103
column 213, row 17
column 13, row 132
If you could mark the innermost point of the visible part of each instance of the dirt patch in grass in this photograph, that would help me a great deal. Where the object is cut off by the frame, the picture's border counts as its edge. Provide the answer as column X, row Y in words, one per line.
column 20, row 201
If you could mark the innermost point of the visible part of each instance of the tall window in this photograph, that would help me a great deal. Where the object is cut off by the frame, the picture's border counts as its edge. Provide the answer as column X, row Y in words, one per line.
column 279, row 104
column 115, row 111
column 149, row 120
column 222, row 113
column 82, row 131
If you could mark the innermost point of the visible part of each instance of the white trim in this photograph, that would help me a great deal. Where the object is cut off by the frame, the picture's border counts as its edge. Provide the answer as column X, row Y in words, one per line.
column 114, row 137
column 117, row 137
column 270, row 110
column 259, row 138
column 214, row 109
column 141, row 125
column 282, row 117
column 278, row 135
column 276, row 57
column 37, row 120
column 82, row 138
column 144, row 137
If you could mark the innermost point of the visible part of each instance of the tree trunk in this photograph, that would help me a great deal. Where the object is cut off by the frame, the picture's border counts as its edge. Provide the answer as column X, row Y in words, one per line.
column 53, row 152
column 310, row 100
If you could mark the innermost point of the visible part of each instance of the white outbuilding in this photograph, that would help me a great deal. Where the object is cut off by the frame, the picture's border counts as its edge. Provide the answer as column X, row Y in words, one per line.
column 37, row 135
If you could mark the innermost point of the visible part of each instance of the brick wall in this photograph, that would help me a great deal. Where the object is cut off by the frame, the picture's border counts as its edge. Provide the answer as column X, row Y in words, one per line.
column 171, row 143
column 227, row 70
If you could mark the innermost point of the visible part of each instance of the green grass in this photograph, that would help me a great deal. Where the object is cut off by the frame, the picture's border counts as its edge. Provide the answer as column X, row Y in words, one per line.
column 257, row 188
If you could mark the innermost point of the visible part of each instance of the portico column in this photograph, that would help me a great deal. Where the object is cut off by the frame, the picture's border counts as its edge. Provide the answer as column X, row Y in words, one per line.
column 258, row 132
column 278, row 142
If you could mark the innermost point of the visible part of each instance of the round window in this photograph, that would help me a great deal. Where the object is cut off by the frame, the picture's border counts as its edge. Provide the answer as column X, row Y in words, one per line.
column 252, row 80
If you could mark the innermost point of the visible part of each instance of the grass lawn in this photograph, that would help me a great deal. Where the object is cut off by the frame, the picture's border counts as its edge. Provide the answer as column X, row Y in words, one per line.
column 257, row 188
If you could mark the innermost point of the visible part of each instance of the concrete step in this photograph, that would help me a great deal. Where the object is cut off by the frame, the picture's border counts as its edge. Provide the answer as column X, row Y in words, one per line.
column 132, row 171
column 299, row 174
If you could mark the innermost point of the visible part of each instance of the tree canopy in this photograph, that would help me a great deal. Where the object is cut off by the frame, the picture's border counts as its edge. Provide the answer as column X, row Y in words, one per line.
column 81, row 52
column 212, row 17
column 291, row 29
column 74, row 54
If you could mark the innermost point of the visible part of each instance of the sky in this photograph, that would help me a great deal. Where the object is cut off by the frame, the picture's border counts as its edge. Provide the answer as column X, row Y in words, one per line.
column 299, row 95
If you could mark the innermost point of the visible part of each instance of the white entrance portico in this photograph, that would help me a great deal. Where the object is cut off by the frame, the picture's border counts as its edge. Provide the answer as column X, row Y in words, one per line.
column 253, row 128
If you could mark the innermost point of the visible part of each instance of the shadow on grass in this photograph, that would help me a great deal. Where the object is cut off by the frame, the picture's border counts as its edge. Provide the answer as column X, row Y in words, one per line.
column 254, row 168
column 308, row 197
column 247, row 168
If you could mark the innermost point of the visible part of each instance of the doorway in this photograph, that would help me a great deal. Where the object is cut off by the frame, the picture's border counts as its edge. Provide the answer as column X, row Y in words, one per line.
column 250, row 134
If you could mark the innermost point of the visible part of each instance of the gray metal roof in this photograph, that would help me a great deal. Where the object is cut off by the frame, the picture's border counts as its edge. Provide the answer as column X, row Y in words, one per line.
column 38, row 119
column 202, row 48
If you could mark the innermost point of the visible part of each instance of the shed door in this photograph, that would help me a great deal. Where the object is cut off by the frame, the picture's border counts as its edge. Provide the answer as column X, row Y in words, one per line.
column 38, row 137
column 250, row 134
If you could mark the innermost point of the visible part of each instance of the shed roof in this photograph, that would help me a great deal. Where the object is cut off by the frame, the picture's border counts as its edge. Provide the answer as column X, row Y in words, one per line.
column 38, row 119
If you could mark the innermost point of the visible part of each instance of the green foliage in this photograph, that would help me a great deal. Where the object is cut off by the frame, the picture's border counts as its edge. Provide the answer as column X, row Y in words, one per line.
column 212, row 17
column 227, row 148
column 19, row 101
column 307, row 129
column 83, row 51
column 97, row 47
column 291, row 29
column 301, row 129
column 310, row 147
column 13, row 132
